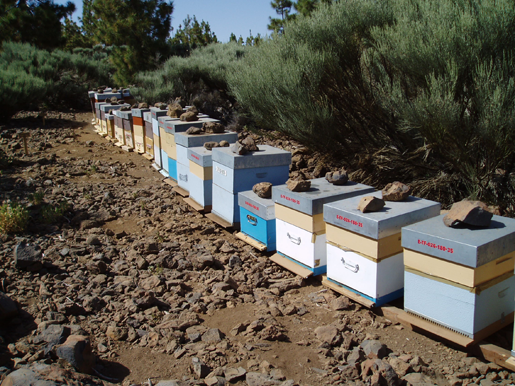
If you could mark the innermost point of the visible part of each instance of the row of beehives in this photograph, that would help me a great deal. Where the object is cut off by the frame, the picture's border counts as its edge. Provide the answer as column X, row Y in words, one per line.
column 461, row 279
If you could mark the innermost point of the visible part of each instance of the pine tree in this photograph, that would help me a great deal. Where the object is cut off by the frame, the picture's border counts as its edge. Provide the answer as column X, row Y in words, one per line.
column 35, row 22
column 282, row 8
column 192, row 35
column 137, row 28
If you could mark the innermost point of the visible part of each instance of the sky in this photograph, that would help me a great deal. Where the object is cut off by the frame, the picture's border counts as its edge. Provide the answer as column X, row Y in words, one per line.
column 223, row 16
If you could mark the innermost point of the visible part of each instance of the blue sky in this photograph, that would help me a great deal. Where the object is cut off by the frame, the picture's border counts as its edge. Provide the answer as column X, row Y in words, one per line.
column 224, row 16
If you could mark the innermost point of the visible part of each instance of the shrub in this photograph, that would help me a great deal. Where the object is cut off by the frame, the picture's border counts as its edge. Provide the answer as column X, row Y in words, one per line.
column 32, row 77
column 53, row 213
column 14, row 218
column 206, row 67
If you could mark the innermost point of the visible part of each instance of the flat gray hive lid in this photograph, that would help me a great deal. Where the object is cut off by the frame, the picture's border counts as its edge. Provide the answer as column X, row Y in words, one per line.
column 320, row 193
column 156, row 112
column 386, row 222
column 107, row 106
column 201, row 156
column 105, row 95
column 190, row 140
column 469, row 247
column 262, row 207
column 267, row 156
column 178, row 126
column 139, row 112
column 162, row 121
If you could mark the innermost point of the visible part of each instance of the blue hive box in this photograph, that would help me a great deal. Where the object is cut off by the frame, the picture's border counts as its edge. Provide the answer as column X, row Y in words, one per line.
column 257, row 218
column 460, row 278
column 201, row 177
column 184, row 141
column 234, row 173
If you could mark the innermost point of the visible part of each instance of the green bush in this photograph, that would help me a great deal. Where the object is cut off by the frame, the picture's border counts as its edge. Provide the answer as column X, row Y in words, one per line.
column 431, row 84
column 206, row 67
column 52, row 213
column 31, row 77
column 14, row 218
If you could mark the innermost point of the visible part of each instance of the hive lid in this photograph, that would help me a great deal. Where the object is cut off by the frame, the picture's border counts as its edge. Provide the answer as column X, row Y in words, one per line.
column 320, row 193
column 157, row 112
column 139, row 112
column 188, row 140
column 267, row 156
column 261, row 207
column 163, row 120
column 125, row 114
column 385, row 222
column 178, row 126
column 469, row 247
column 201, row 156
column 107, row 106
column 105, row 95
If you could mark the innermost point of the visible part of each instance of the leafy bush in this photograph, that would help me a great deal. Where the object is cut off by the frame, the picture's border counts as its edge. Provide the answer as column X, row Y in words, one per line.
column 428, row 83
column 14, row 217
column 53, row 213
column 206, row 67
column 31, row 77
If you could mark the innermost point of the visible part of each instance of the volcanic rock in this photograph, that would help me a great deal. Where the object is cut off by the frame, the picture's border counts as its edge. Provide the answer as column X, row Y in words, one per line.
column 370, row 204
column 174, row 110
column 161, row 105
column 263, row 189
column 339, row 177
column 396, row 191
column 474, row 213
column 28, row 257
column 189, row 116
column 224, row 144
column 76, row 350
column 8, row 307
column 213, row 127
column 194, row 131
column 210, row 145
column 298, row 185
column 143, row 105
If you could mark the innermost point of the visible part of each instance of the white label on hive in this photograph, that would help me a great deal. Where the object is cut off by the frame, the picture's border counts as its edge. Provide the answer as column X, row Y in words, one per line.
column 221, row 171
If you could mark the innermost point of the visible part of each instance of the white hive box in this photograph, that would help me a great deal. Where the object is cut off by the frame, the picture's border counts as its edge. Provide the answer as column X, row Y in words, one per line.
column 127, row 129
column 149, row 135
column 460, row 278
column 185, row 141
column 364, row 251
column 155, row 114
column 172, row 127
column 201, row 177
column 118, row 128
column 234, row 173
column 138, row 125
column 300, row 226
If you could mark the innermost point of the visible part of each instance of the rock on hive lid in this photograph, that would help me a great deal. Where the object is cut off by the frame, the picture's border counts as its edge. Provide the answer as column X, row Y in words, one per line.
column 267, row 156
column 321, row 192
column 469, row 247
column 383, row 223
column 261, row 207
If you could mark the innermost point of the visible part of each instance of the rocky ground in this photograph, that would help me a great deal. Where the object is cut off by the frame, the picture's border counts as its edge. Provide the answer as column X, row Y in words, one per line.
column 118, row 281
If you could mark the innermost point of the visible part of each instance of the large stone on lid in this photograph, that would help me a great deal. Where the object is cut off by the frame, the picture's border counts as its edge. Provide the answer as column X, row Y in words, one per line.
column 263, row 189
column 210, row 145
column 189, row 116
column 370, row 204
column 161, row 105
column 474, row 213
column 298, row 185
column 213, row 127
column 143, row 105
column 339, row 177
column 174, row 110
column 396, row 191
column 194, row 131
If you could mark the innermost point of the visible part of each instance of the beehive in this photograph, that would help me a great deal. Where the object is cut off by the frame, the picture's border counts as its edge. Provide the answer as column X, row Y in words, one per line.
column 460, row 278
column 149, row 135
column 155, row 114
column 364, row 252
column 138, row 126
column 201, row 177
column 300, row 227
column 234, row 173
column 257, row 218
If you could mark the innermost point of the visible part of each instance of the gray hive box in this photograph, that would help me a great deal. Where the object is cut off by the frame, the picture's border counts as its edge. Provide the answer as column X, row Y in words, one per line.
column 156, row 112
column 469, row 247
column 265, row 157
column 178, row 126
column 262, row 207
column 383, row 223
column 188, row 140
column 320, row 193
column 201, row 156
column 163, row 120
column 125, row 114
column 107, row 106
column 105, row 95
column 147, row 116
column 139, row 112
